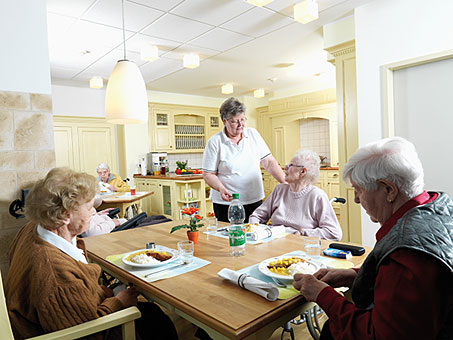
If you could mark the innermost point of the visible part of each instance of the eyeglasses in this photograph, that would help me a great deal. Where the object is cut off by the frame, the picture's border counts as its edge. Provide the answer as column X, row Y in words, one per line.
column 290, row 165
column 237, row 121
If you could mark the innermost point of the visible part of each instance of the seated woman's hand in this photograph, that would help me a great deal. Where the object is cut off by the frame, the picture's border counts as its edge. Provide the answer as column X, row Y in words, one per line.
column 128, row 297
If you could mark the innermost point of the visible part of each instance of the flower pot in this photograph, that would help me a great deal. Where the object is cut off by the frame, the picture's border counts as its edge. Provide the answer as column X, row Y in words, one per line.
column 193, row 236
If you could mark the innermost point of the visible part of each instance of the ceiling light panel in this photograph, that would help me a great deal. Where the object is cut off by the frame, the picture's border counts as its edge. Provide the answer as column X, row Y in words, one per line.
column 96, row 83
column 68, row 7
column 185, row 49
column 220, row 39
column 136, row 16
column 257, row 22
column 191, row 60
column 211, row 12
column 176, row 28
column 92, row 35
column 165, row 5
column 137, row 41
column 258, row 93
column 160, row 68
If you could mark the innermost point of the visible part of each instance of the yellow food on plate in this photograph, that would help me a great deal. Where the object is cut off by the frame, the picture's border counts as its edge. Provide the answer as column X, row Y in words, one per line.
column 151, row 254
column 281, row 266
column 250, row 228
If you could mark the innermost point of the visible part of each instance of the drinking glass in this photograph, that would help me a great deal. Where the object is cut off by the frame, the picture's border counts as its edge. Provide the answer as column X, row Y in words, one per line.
column 186, row 249
column 211, row 225
column 132, row 191
column 312, row 246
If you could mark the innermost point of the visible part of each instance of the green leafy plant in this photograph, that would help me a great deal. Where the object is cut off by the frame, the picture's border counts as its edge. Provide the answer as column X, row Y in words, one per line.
column 192, row 226
column 181, row 165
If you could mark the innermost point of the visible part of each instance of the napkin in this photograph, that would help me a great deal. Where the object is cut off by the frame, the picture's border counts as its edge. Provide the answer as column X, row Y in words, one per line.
column 265, row 289
column 261, row 233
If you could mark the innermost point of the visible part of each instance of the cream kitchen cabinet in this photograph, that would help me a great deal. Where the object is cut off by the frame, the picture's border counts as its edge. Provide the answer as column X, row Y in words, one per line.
column 172, row 193
column 82, row 143
column 181, row 128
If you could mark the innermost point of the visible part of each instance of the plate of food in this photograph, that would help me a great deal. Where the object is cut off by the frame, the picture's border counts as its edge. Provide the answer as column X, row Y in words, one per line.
column 145, row 258
column 284, row 267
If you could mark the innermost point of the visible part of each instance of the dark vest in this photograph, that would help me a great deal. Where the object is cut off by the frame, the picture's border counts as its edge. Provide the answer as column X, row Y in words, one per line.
column 427, row 228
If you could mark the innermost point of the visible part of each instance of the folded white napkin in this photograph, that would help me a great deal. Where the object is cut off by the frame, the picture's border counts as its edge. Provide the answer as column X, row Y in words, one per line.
column 261, row 233
column 265, row 289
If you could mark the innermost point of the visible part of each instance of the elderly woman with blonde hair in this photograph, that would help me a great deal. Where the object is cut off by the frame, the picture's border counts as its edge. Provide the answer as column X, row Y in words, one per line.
column 297, row 204
column 50, row 284
column 403, row 289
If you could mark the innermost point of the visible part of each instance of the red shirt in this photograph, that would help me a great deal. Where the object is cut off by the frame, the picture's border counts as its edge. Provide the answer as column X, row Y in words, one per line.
column 412, row 295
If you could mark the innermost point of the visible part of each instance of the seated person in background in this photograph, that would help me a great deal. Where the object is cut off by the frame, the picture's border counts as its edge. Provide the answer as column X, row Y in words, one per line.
column 50, row 285
column 298, row 205
column 111, row 181
column 101, row 223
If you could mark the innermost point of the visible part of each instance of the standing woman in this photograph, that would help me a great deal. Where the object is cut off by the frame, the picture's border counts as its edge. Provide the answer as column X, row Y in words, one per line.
column 232, row 159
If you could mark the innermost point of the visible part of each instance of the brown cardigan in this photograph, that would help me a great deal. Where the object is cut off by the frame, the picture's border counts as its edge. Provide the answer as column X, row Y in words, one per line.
column 47, row 290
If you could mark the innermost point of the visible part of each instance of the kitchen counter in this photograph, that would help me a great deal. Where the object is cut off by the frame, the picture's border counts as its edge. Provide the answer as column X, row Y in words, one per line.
column 172, row 176
column 329, row 168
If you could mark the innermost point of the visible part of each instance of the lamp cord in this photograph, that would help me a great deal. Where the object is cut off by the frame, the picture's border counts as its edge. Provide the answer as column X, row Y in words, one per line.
column 124, row 32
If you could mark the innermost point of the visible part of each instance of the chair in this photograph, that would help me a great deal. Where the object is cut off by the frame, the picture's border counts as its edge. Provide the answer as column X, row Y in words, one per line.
column 124, row 318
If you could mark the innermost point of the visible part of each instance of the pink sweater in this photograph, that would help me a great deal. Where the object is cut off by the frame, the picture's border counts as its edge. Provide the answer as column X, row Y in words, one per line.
column 307, row 212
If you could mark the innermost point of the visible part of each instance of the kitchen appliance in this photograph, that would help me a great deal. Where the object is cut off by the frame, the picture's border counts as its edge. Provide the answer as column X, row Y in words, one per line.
column 154, row 157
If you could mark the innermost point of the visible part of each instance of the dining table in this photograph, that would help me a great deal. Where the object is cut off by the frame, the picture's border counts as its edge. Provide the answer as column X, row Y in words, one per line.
column 221, row 308
column 123, row 200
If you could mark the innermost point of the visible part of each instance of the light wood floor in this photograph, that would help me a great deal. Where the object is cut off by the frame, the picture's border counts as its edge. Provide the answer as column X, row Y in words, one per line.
column 186, row 330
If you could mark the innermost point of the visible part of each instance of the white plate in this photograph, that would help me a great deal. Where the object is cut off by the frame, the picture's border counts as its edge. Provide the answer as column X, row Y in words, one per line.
column 173, row 252
column 263, row 267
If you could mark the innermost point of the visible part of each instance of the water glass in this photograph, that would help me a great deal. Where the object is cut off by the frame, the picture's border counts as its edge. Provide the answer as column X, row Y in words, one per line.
column 211, row 225
column 132, row 191
column 312, row 246
column 186, row 249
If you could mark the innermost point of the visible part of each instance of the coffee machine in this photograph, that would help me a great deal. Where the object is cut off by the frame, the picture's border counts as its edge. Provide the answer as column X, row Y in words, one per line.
column 154, row 157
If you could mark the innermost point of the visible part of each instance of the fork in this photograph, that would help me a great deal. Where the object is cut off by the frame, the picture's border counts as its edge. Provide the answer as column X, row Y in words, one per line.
column 278, row 283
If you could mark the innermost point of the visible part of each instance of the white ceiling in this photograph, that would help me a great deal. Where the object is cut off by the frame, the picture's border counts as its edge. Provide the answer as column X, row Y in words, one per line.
column 238, row 43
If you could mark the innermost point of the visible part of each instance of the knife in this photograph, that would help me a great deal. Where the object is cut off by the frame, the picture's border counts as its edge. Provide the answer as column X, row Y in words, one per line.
column 163, row 269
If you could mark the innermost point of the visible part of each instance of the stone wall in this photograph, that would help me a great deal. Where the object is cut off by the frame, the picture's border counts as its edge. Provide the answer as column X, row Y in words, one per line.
column 27, row 153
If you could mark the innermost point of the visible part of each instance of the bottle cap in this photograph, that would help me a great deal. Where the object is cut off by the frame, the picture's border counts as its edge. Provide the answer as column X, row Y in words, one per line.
column 235, row 196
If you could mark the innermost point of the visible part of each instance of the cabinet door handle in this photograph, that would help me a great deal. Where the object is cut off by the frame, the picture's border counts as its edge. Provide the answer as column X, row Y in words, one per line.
column 335, row 175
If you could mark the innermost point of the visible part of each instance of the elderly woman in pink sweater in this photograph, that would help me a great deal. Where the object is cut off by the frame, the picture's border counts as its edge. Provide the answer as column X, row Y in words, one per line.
column 298, row 205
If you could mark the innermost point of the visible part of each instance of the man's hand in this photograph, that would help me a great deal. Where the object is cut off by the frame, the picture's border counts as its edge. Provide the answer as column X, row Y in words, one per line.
column 309, row 286
column 128, row 297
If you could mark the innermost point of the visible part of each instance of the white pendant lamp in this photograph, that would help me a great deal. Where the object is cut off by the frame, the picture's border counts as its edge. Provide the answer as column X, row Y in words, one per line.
column 227, row 88
column 96, row 83
column 259, row 3
column 259, row 93
column 191, row 60
column 306, row 11
column 126, row 100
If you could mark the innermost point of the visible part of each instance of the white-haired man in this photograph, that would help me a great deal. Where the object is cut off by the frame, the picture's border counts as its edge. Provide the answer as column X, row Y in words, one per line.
column 110, row 181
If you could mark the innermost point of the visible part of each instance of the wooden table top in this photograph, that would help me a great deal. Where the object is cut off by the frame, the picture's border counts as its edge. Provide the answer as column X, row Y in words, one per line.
column 201, row 294
column 123, row 197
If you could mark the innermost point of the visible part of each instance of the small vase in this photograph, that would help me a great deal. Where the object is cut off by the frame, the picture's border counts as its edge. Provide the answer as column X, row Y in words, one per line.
column 193, row 236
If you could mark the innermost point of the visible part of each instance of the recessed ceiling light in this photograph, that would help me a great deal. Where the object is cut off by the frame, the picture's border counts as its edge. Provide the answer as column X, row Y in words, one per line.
column 259, row 3
column 96, row 83
column 149, row 52
column 227, row 88
column 306, row 11
column 283, row 65
column 258, row 93
column 191, row 60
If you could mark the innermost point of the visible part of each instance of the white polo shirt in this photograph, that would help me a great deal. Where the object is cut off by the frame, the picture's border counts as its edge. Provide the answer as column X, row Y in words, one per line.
column 237, row 165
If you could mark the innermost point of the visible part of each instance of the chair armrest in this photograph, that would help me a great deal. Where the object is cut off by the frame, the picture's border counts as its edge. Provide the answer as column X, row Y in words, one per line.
column 93, row 326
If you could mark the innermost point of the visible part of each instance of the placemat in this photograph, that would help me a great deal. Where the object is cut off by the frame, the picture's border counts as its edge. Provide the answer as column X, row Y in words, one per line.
column 165, row 274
